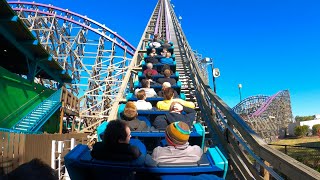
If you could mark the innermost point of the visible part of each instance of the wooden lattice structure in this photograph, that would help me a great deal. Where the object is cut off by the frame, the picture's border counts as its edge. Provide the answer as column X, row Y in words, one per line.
column 269, row 116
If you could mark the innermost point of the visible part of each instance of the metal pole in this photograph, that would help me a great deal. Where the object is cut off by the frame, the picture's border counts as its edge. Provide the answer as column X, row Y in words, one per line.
column 214, row 80
column 240, row 86
column 53, row 154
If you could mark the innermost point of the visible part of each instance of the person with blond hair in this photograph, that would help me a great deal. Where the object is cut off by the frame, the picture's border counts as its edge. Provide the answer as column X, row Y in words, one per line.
column 164, row 52
column 178, row 149
column 168, row 94
column 142, row 104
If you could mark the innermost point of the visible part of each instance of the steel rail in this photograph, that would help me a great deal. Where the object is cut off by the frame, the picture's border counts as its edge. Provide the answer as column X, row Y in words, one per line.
column 158, row 21
column 167, row 14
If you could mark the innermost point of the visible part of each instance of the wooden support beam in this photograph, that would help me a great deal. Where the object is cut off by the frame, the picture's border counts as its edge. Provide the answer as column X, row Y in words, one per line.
column 61, row 118
column 73, row 125
column 264, row 173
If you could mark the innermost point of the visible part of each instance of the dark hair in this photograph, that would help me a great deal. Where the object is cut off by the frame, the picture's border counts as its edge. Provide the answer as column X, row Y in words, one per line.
column 35, row 169
column 149, row 75
column 168, row 93
column 141, row 94
column 164, row 49
column 155, row 37
column 167, row 73
column 164, row 67
column 115, row 131
column 145, row 83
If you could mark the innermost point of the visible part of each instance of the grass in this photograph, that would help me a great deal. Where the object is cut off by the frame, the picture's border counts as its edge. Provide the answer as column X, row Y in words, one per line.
column 308, row 156
column 313, row 141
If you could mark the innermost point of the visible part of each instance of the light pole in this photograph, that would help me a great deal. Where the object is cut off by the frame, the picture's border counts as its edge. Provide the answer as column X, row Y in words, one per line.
column 180, row 19
column 215, row 71
column 240, row 86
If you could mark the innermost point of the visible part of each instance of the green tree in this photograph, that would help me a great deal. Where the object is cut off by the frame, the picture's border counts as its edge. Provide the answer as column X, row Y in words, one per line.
column 301, row 131
column 315, row 129
column 304, row 118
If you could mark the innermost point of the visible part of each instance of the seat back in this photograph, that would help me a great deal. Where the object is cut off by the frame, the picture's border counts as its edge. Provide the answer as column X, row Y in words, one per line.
column 156, row 77
column 158, row 88
column 159, row 66
column 81, row 165
column 152, row 138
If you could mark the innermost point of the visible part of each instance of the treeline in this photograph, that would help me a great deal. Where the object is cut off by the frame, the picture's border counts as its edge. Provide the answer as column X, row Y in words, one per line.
column 305, row 118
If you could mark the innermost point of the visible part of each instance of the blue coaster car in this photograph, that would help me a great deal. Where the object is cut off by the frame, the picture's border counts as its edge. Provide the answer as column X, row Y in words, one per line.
column 173, row 56
column 81, row 166
column 157, row 137
column 156, row 77
column 159, row 49
column 152, row 100
column 159, row 66
column 158, row 88
column 143, row 115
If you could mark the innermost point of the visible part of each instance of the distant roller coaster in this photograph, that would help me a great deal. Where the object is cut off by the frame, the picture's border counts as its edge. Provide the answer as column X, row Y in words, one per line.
column 267, row 115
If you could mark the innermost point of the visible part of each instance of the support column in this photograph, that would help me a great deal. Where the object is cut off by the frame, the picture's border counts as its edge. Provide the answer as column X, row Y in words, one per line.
column 32, row 68
column 61, row 117
column 73, row 125
column 263, row 172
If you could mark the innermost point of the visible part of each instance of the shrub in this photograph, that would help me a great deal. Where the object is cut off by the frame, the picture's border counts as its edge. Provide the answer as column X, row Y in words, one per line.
column 315, row 129
column 301, row 130
column 305, row 129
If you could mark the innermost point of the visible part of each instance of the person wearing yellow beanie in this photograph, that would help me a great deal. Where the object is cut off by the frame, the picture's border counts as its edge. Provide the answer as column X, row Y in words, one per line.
column 178, row 149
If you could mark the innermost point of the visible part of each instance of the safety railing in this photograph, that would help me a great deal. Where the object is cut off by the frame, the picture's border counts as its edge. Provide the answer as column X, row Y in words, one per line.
column 18, row 111
column 55, row 97
column 244, row 147
column 17, row 131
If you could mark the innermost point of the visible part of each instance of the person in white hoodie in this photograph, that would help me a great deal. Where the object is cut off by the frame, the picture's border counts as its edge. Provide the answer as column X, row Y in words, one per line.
column 178, row 149
column 146, row 87
column 142, row 104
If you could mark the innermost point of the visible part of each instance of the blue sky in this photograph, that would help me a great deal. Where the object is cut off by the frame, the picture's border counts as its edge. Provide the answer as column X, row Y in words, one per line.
column 266, row 45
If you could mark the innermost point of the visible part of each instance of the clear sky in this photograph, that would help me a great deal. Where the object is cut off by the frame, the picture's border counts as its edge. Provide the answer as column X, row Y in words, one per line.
column 266, row 45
